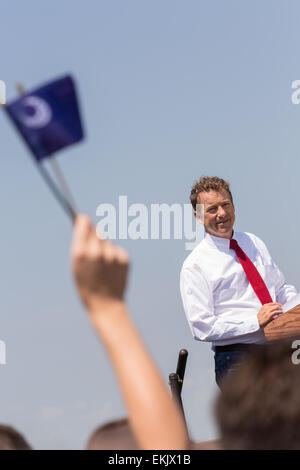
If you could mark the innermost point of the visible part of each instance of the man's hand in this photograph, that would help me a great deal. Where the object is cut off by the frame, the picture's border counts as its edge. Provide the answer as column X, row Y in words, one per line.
column 267, row 312
column 99, row 267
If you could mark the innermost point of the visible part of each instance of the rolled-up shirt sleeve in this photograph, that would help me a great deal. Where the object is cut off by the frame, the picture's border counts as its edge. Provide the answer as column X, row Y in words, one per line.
column 197, row 298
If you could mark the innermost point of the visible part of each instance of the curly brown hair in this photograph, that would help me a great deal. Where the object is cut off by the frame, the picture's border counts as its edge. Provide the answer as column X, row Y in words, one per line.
column 205, row 184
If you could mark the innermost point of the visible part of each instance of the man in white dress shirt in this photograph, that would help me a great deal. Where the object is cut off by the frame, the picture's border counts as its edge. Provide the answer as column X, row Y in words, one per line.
column 230, row 289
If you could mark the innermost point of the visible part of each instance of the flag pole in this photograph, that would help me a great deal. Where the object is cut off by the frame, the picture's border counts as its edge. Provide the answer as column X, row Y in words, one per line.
column 62, row 182
column 52, row 186
column 65, row 199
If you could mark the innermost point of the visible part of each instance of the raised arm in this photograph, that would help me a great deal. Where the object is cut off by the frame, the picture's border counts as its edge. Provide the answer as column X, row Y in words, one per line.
column 100, row 270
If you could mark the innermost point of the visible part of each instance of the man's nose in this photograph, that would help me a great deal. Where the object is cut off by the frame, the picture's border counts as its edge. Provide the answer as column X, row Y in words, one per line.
column 221, row 212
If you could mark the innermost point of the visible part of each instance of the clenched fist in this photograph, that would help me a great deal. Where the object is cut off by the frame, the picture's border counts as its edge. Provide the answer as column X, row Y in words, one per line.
column 99, row 267
column 267, row 312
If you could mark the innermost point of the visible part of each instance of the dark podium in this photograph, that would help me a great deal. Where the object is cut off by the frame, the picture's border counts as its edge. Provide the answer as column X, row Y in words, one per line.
column 285, row 326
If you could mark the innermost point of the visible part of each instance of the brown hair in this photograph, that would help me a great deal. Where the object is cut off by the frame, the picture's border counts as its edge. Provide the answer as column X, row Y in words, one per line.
column 10, row 439
column 115, row 435
column 259, row 407
column 205, row 184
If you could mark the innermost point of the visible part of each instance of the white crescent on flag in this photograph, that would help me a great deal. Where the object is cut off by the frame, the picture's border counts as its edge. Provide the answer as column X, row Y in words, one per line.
column 41, row 116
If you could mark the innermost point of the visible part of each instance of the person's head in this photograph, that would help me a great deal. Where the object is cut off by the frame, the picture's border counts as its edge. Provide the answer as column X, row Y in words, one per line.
column 213, row 444
column 10, row 439
column 218, row 213
column 116, row 435
column 259, row 407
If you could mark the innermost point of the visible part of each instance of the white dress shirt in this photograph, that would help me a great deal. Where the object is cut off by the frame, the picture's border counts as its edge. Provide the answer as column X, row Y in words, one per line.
column 219, row 302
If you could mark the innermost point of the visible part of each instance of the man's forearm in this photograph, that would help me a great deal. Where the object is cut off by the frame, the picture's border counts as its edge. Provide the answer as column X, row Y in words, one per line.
column 154, row 417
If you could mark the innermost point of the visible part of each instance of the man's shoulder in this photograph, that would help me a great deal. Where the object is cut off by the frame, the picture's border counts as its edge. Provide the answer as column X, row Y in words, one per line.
column 246, row 238
column 196, row 255
column 244, row 235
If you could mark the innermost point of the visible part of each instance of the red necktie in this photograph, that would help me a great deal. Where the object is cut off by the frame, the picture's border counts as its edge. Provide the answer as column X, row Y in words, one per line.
column 252, row 274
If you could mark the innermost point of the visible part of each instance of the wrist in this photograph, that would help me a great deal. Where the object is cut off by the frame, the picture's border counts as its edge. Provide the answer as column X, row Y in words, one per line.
column 107, row 309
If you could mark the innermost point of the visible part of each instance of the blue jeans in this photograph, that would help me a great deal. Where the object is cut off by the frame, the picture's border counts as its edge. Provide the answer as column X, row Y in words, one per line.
column 226, row 362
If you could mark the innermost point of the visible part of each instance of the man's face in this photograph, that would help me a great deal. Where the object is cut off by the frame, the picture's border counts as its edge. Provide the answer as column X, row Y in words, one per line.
column 218, row 213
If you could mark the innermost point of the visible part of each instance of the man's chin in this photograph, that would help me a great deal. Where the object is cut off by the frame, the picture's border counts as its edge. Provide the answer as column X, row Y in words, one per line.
column 223, row 232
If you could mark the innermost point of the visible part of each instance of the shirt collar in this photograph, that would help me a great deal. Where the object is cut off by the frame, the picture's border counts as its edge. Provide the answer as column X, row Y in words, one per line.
column 219, row 243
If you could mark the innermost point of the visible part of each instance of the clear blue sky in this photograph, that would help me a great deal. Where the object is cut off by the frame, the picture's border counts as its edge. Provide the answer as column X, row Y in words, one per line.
column 169, row 91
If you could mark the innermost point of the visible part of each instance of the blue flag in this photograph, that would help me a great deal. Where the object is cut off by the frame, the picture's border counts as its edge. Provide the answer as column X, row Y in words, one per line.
column 48, row 118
